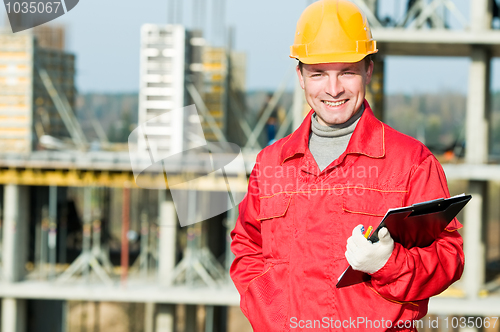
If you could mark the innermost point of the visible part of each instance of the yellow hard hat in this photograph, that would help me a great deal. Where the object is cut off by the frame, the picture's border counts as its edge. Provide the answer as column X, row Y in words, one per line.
column 332, row 31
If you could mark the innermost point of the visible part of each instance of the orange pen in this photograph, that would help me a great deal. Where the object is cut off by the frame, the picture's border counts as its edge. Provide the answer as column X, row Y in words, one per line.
column 368, row 231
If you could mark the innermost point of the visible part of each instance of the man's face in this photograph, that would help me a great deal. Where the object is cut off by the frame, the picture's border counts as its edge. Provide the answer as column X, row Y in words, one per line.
column 335, row 90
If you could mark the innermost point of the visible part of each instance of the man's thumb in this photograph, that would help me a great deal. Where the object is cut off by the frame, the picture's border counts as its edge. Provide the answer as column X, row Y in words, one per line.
column 384, row 236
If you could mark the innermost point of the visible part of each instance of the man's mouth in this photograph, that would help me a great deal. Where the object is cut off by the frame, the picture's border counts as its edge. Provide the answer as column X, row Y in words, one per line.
column 334, row 103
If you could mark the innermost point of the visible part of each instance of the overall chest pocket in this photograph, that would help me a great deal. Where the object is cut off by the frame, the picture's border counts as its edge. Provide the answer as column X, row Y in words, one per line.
column 276, row 225
column 372, row 201
column 368, row 206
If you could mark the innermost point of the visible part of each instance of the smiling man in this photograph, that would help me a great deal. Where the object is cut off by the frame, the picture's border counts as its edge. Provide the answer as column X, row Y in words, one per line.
column 335, row 91
column 311, row 192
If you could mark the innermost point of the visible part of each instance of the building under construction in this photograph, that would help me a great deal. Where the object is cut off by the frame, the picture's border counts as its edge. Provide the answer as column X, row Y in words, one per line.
column 84, row 247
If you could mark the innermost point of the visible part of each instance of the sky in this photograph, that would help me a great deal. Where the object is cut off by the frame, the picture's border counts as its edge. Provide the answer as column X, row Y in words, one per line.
column 105, row 36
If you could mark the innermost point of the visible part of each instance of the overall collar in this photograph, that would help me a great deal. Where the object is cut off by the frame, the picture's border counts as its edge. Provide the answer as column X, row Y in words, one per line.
column 367, row 139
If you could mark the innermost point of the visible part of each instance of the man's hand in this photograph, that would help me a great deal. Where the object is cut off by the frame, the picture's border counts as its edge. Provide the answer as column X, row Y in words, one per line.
column 366, row 256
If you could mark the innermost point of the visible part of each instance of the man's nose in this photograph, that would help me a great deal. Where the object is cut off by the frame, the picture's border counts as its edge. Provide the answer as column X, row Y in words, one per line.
column 334, row 88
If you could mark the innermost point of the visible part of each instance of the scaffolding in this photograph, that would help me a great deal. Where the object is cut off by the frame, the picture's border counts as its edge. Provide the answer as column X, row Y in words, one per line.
column 38, row 92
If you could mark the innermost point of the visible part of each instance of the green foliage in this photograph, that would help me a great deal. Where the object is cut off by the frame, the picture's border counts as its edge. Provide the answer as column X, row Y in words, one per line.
column 438, row 120
column 116, row 113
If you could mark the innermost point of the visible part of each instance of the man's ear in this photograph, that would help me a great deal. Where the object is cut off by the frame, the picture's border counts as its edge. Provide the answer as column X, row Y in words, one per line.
column 301, row 78
column 369, row 73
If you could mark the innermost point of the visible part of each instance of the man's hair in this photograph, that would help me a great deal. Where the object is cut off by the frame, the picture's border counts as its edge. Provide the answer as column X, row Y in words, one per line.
column 367, row 60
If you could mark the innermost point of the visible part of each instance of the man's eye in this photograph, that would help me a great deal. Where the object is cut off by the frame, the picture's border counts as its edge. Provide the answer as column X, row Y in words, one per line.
column 316, row 75
column 349, row 73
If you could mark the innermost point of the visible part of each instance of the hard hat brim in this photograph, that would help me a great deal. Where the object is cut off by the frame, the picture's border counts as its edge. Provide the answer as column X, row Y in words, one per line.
column 329, row 58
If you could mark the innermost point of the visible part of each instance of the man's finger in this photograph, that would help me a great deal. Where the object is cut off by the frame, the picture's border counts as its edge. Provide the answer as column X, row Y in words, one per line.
column 357, row 230
column 359, row 239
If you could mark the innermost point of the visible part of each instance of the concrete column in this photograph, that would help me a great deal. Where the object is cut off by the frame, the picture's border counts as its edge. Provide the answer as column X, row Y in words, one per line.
column 165, row 318
column 149, row 316
column 477, row 113
column 481, row 14
column 209, row 318
column 167, row 226
column 15, row 232
column 474, row 214
column 13, row 315
column 14, row 253
column 167, row 240
column 476, row 153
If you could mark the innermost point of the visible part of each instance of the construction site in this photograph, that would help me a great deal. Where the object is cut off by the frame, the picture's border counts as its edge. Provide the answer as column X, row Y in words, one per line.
column 88, row 243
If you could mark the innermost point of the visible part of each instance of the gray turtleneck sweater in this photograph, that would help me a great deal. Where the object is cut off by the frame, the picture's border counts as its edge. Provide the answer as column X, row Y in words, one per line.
column 327, row 143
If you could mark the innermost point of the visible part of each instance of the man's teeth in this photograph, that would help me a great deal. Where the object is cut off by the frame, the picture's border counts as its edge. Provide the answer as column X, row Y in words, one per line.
column 338, row 103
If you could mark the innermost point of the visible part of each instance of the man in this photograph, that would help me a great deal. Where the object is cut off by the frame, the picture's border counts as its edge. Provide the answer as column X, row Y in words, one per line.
column 311, row 192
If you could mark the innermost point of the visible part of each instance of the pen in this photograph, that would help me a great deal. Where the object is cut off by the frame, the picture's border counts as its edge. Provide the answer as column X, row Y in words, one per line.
column 368, row 231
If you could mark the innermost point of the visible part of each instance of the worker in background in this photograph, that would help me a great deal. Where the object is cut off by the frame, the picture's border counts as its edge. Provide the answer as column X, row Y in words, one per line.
column 310, row 193
column 271, row 123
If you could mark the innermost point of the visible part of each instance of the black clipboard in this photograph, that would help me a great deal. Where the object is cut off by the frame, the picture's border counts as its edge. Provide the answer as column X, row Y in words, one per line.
column 417, row 225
